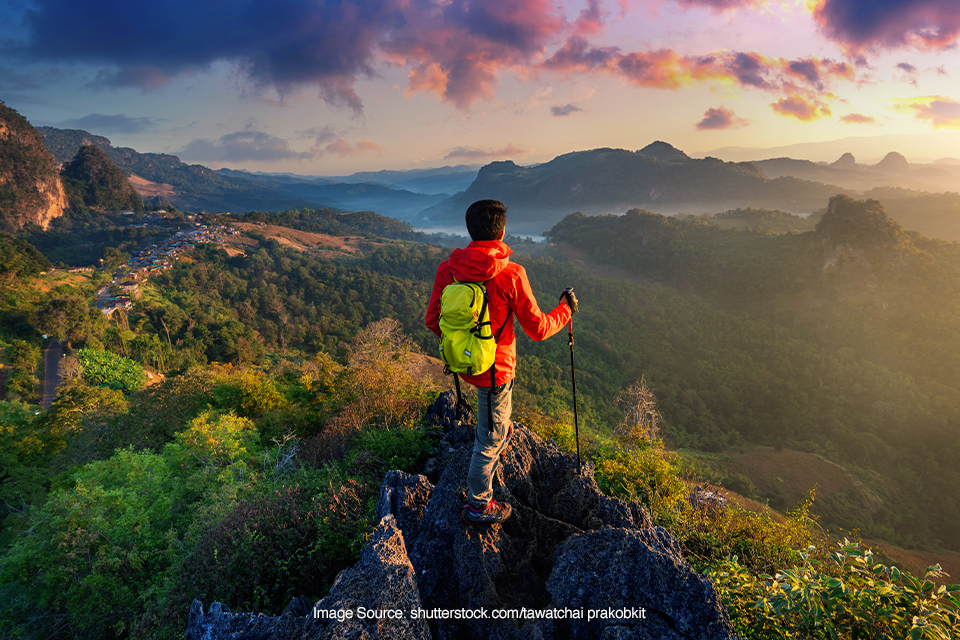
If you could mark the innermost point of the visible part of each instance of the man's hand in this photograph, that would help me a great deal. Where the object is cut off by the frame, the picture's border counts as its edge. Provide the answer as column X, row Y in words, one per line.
column 568, row 297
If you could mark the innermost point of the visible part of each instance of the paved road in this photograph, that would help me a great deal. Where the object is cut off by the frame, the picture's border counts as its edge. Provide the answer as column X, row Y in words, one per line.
column 51, row 372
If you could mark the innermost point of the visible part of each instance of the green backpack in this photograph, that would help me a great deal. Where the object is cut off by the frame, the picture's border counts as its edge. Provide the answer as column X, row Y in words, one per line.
column 467, row 345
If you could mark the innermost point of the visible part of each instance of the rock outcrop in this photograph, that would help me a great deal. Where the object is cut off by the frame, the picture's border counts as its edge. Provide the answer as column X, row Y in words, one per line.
column 846, row 161
column 570, row 563
column 30, row 188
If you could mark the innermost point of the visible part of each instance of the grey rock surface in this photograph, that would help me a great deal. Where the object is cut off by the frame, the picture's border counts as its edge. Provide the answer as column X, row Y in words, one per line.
column 561, row 567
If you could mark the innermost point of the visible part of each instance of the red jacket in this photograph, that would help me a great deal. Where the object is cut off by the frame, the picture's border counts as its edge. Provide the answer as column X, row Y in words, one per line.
column 508, row 289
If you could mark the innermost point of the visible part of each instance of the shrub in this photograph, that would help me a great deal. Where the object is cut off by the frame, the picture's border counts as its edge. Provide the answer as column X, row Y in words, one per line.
column 852, row 596
column 270, row 548
column 398, row 448
column 110, row 370
column 99, row 548
column 95, row 547
column 762, row 542
column 646, row 473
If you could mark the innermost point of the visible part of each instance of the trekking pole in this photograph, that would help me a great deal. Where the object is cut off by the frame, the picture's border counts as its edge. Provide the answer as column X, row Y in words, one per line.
column 573, row 375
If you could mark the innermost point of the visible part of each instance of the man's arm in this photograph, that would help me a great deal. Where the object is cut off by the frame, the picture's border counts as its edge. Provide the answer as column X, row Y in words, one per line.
column 433, row 307
column 535, row 323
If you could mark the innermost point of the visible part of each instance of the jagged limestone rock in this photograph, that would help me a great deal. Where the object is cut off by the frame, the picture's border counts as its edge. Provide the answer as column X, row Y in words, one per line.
column 382, row 580
column 638, row 584
column 567, row 551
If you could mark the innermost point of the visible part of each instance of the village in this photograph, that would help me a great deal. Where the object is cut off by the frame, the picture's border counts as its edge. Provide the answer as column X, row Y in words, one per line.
column 125, row 286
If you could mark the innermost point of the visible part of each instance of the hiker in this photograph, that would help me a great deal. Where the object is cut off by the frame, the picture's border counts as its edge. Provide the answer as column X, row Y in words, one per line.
column 486, row 260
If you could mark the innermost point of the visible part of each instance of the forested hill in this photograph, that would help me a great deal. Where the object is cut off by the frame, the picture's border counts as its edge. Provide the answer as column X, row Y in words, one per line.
column 839, row 341
column 615, row 180
column 859, row 280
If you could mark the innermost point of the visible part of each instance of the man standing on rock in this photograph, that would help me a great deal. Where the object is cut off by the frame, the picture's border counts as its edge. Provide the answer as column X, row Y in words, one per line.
column 487, row 260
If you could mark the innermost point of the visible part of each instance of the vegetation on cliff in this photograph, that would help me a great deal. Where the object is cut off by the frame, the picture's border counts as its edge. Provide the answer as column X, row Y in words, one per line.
column 94, row 182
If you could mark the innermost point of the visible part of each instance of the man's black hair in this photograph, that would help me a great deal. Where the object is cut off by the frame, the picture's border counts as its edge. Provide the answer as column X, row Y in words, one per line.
column 486, row 219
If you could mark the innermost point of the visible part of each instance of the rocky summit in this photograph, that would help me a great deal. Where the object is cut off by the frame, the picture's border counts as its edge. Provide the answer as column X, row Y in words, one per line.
column 570, row 563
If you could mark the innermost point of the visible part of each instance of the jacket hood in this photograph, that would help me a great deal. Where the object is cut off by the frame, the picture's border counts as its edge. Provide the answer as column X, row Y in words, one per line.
column 479, row 261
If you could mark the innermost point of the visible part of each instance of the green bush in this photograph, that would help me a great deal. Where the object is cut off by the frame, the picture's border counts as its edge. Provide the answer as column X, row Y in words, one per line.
column 646, row 473
column 102, row 546
column 110, row 370
column 399, row 447
column 851, row 596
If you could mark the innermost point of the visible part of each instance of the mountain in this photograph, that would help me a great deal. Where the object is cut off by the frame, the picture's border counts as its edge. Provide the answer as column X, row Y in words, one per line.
column 615, row 180
column 365, row 196
column 189, row 187
column 893, row 170
column 30, row 188
column 434, row 181
column 933, row 145
column 664, row 152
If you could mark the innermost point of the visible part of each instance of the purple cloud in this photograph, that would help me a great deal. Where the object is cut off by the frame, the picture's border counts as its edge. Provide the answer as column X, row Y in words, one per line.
column 564, row 110
column 863, row 25
column 720, row 118
column 243, row 146
column 100, row 123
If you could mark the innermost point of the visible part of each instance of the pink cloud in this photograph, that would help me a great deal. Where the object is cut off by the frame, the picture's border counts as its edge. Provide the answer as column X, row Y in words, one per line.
column 941, row 112
column 667, row 69
column 720, row 5
column 341, row 147
column 801, row 108
column 858, row 118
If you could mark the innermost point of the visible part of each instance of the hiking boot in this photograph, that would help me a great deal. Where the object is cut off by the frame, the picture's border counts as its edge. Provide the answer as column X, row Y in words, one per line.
column 506, row 441
column 491, row 513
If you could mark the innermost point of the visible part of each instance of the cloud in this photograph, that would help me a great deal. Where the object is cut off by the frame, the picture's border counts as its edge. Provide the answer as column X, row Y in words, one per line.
column 10, row 80
column 803, row 83
column 243, row 146
column 455, row 49
column 474, row 153
column 576, row 55
column 100, row 123
column 720, row 5
column 144, row 78
column 910, row 73
column 341, row 147
column 565, row 110
column 720, row 118
column 801, row 108
column 941, row 112
column 591, row 19
column 865, row 25
column 858, row 118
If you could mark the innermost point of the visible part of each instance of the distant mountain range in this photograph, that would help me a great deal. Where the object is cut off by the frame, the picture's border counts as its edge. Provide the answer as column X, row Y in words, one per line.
column 347, row 196
column 194, row 187
column 939, row 150
column 658, row 177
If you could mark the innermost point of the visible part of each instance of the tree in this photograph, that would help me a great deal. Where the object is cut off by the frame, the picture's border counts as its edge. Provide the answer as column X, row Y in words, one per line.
column 64, row 318
column 641, row 417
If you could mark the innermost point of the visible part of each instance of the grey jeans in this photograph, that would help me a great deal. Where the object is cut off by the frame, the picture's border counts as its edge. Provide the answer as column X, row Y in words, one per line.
column 488, row 442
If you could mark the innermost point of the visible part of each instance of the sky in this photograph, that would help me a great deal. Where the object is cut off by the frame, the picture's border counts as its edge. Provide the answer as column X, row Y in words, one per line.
column 330, row 87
